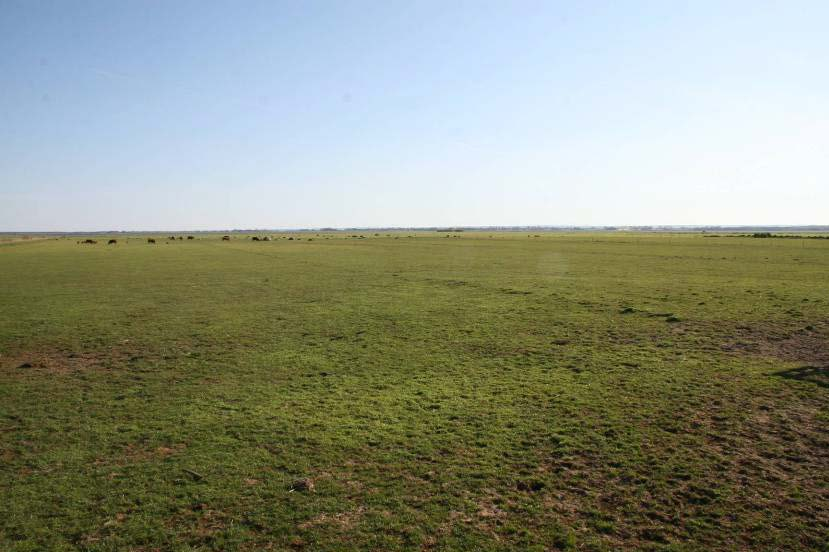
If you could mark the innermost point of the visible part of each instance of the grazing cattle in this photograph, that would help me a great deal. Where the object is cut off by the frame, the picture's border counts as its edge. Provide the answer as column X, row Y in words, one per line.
column 110, row 242
column 266, row 238
column 191, row 238
column 171, row 238
column 225, row 238
column 254, row 238
column 180, row 238
column 89, row 241
column 150, row 240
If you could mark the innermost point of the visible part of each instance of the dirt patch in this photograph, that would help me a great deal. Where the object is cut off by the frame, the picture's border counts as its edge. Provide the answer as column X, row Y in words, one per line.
column 200, row 521
column 134, row 453
column 807, row 343
column 54, row 362
column 342, row 520
column 64, row 361
column 210, row 523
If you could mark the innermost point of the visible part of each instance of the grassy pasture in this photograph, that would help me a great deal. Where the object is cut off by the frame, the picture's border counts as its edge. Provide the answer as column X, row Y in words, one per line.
column 481, row 392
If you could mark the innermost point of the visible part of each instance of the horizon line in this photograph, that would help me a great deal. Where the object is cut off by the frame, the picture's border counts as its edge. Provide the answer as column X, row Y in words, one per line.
column 449, row 228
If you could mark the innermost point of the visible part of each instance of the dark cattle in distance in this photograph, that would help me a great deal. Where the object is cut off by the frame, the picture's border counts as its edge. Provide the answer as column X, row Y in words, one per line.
column 225, row 238
column 150, row 240
column 191, row 238
column 110, row 242
column 254, row 238
column 89, row 241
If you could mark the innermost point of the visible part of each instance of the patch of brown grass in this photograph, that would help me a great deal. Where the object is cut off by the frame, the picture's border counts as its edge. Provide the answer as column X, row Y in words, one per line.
column 135, row 453
column 63, row 361
column 342, row 520
column 808, row 342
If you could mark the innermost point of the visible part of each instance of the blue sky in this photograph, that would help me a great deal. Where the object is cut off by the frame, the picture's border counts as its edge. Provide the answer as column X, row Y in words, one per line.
column 211, row 115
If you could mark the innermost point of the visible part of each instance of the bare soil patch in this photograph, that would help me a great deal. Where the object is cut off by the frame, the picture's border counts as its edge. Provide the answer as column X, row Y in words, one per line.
column 64, row 361
column 808, row 342
column 342, row 520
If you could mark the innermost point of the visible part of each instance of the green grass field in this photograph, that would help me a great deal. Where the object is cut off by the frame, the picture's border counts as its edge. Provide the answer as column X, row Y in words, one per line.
column 479, row 392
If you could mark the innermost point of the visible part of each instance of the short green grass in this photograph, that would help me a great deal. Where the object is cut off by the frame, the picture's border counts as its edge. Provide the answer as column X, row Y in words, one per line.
column 473, row 392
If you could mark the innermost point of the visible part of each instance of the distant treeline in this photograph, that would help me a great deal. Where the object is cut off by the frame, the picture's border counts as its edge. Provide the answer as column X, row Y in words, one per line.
column 785, row 236
column 768, row 235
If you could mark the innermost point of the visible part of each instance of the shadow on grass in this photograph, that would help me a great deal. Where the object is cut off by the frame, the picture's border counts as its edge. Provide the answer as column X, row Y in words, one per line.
column 819, row 375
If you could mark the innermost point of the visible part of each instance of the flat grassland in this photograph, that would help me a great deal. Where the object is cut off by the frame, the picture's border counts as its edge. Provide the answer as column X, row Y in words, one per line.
column 479, row 392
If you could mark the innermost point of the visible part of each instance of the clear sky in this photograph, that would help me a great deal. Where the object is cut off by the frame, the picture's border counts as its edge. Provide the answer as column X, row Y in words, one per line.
column 213, row 115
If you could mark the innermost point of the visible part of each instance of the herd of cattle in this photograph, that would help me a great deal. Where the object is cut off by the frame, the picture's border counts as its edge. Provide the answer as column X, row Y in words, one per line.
column 149, row 240
column 224, row 238
column 173, row 238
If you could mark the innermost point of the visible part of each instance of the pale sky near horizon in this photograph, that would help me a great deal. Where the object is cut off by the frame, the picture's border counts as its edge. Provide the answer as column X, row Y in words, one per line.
column 147, row 115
